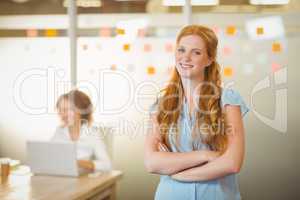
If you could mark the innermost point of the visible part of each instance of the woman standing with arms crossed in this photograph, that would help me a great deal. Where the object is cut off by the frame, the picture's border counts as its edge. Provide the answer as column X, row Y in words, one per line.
column 196, row 141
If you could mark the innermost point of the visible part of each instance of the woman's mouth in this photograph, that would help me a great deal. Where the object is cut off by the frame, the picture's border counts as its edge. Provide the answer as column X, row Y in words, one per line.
column 185, row 66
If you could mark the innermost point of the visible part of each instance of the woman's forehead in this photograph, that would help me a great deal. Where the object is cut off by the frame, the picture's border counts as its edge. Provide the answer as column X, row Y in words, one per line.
column 194, row 41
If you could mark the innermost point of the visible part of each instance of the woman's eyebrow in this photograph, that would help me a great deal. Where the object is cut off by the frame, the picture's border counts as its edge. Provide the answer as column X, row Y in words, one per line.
column 196, row 49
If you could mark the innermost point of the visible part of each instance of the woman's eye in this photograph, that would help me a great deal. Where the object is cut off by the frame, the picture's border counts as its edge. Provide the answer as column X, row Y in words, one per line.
column 180, row 50
column 197, row 53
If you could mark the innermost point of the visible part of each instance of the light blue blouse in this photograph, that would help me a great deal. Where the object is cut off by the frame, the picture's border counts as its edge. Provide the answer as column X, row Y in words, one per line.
column 225, row 188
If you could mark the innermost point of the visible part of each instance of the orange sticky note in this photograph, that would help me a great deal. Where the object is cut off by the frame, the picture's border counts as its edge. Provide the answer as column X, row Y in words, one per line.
column 126, row 47
column 169, row 47
column 147, row 47
column 276, row 47
column 32, row 33
column 150, row 70
column 231, row 30
column 120, row 31
column 51, row 33
column 259, row 30
column 105, row 32
column 228, row 71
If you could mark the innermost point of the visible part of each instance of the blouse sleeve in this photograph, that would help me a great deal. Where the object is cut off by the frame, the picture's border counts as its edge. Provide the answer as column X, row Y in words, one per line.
column 101, row 160
column 232, row 97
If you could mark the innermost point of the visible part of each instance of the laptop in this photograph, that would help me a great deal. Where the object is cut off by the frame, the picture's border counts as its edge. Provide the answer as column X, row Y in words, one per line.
column 53, row 158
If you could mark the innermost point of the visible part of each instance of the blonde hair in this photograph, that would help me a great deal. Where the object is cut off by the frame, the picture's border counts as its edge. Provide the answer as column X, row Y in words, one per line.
column 169, row 105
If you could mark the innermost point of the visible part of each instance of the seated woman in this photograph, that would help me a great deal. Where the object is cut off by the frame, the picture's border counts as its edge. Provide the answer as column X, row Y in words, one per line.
column 75, row 111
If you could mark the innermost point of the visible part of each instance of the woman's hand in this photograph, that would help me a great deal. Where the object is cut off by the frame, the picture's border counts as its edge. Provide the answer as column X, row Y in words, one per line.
column 86, row 164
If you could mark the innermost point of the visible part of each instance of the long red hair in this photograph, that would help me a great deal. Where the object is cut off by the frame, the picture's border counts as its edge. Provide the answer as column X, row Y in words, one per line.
column 210, row 113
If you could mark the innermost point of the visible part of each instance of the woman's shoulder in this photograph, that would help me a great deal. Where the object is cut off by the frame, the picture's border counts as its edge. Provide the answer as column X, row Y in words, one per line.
column 232, row 97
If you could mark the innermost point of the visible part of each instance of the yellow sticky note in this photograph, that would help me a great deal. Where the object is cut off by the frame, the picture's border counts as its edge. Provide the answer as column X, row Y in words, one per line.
column 150, row 70
column 51, row 33
column 120, row 31
column 228, row 71
column 276, row 47
column 259, row 30
column 231, row 30
column 126, row 47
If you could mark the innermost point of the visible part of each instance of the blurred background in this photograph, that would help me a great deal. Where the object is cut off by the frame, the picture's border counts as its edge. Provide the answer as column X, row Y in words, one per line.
column 124, row 54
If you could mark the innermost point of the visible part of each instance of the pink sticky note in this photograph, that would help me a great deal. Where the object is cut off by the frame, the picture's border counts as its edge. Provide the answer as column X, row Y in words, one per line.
column 275, row 67
column 147, row 47
column 32, row 33
column 105, row 32
column 169, row 47
column 226, row 50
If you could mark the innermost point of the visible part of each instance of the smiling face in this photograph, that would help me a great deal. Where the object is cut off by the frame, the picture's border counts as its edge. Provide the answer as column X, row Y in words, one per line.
column 191, row 57
column 67, row 113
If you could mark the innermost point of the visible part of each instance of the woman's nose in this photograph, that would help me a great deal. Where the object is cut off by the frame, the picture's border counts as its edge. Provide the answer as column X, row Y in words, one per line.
column 187, row 56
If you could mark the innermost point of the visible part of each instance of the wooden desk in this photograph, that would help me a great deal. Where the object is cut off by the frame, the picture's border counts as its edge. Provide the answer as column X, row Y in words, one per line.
column 60, row 188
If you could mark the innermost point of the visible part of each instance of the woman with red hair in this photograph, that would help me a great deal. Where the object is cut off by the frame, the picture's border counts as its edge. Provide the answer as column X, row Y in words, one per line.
column 196, row 141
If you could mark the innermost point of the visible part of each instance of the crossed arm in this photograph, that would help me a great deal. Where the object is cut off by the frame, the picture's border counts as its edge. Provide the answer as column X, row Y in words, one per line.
column 198, row 165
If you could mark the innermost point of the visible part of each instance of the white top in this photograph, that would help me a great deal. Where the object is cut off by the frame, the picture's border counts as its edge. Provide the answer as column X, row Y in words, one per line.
column 89, row 146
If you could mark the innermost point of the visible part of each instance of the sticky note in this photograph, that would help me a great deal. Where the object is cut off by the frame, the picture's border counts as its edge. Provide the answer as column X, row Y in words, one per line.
column 231, row 30
column 105, row 32
column 141, row 32
column 259, row 30
column 31, row 33
column 275, row 67
column 228, row 71
column 147, row 47
column 150, row 70
column 169, row 47
column 120, row 31
column 126, row 47
column 276, row 47
column 226, row 50
column 51, row 33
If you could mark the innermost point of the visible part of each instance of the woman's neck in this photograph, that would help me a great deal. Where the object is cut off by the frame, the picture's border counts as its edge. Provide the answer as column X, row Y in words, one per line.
column 191, row 89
